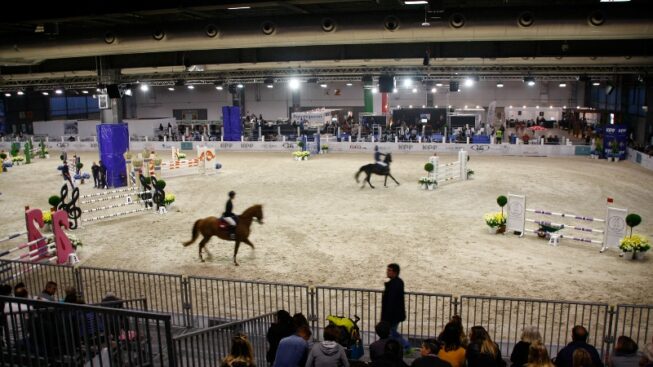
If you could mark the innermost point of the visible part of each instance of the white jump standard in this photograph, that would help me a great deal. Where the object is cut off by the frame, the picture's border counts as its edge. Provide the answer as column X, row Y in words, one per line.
column 614, row 224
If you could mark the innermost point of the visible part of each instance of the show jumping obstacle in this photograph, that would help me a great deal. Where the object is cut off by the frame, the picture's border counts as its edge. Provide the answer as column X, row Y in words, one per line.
column 39, row 248
column 450, row 171
column 203, row 164
column 612, row 231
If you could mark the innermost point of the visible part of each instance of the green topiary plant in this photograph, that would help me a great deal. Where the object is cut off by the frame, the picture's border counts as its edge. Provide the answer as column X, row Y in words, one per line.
column 3, row 156
column 300, row 144
column 160, row 184
column 633, row 220
column 54, row 200
column 428, row 167
column 502, row 201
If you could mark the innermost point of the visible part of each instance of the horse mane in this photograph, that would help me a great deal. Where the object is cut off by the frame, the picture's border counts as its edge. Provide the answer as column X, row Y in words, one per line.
column 249, row 212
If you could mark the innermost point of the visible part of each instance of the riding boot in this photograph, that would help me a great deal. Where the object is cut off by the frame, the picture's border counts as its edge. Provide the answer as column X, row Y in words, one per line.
column 232, row 233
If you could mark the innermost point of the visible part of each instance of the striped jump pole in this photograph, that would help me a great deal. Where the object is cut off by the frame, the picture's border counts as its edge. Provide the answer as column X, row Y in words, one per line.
column 12, row 236
column 613, row 231
column 24, row 245
column 114, row 215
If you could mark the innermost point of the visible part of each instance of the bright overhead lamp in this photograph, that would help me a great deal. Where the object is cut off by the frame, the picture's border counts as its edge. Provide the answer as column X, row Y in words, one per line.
column 433, row 90
column 469, row 82
column 465, row 106
column 408, row 82
column 128, row 92
column 524, row 106
column 614, row 1
column 414, row 90
column 394, row 90
column 239, row 85
column 293, row 83
column 423, row 106
column 375, row 90
column 438, row 84
column 323, row 85
column 144, row 87
column 538, row 107
column 564, row 107
column 59, row 91
column 510, row 106
column 239, row 8
column 219, row 87
column 191, row 86
column 529, row 80
column 477, row 106
column 20, row 92
column 172, row 89
column 45, row 93
column 499, row 85
column 415, row 2
column 410, row 106
column 270, row 86
column 7, row 94
column 350, row 84
column 83, row 92
column 562, row 85
column 596, row 84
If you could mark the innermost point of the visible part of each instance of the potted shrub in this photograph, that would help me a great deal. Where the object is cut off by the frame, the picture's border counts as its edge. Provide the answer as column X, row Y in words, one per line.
column 301, row 144
column 146, row 154
column 160, row 184
column 54, row 201
column 423, row 181
column 325, row 149
column 431, row 183
column 428, row 167
column 497, row 221
column 636, row 244
column 168, row 200
column 598, row 148
column 127, row 155
column 614, row 150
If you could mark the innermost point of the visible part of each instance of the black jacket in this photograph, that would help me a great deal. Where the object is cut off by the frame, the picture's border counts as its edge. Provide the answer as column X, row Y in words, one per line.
column 519, row 356
column 430, row 361
column 393, row 308
column 565, row 355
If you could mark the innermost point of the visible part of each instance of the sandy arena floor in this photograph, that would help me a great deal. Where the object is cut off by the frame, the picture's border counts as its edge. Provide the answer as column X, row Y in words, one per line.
column 321, row 227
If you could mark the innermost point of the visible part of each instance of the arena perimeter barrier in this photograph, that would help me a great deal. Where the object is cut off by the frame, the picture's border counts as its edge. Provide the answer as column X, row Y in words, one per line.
column 203, row 302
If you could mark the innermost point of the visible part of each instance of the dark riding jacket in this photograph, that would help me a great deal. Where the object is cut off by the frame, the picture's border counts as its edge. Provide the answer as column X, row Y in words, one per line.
column 228, row 210
column 377, row 156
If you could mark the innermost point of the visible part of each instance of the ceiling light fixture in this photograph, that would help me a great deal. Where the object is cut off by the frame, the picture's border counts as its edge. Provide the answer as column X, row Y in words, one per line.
column 394, row 90
column 270, row 86
column 128, row 92
column 433, row 90
column 596, row 84
column 59, row 91
column 45, row 93
column 562, row 85
column 438, row 84
column 414, row 90
column 408, row 82
column 529, row 80
column 293, row 83
column 20, row 92
column 191, row 87
column 499, row 85
column 144, row 87
column 172, row 89
column 83, row 92
column 375, row 90
column 7, row 94
column 350, row 84
column 415, row 2
column 239, row 85
column 323, row 85
column 219, row 87
column 239, row 8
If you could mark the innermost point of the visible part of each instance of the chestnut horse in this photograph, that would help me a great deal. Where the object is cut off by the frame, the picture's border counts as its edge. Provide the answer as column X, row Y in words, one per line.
column 210, row 226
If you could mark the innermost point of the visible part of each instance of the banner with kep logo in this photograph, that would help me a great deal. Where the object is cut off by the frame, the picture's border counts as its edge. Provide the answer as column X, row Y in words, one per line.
column 615, row 140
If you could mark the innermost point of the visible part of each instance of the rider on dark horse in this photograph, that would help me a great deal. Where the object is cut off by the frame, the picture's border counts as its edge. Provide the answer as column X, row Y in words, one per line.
column 377, row 159
column 229, row 217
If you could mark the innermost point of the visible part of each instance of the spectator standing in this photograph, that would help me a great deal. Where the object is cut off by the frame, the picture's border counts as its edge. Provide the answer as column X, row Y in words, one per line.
column 579, row 341
column 95, row 170
column 582, row 358
column 520, row 352
column 293, row 350
column 383, row 331
column 392, row 356
column 328, row 353
column 241, row 355
column 283, row 327
column 393, row 307
column 103, row 175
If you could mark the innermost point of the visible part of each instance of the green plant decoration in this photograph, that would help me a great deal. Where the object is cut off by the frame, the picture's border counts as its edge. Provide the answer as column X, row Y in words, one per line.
column 633, row 220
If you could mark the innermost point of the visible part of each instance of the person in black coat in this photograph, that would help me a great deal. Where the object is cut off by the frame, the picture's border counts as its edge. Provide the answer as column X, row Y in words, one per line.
column 579, row 341
column 393, row 307
column 95, row 170
column 519, row 355
column 103, row 175
column 277, row 331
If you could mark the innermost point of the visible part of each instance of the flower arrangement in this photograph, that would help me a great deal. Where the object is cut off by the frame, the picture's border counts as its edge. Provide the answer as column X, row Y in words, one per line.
column 635, row 243
column 75, row 242
column 169, row 199
column 17, row 158
column 47, row 217
column 325, row 147
column 427, row 181
column 301, row 155
column 495, row 219
column 181, row 155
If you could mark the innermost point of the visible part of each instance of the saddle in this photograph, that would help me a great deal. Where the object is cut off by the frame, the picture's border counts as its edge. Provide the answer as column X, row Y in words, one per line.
column 222, row 224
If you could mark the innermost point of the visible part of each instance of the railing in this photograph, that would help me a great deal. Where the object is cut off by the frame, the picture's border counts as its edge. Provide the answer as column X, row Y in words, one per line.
column 65, row 334
column 209, row 346
column 215, row 300
column 504, row 319
column 205, row 302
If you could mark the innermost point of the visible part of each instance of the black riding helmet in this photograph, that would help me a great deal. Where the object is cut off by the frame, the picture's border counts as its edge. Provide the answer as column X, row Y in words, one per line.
column 232, row 194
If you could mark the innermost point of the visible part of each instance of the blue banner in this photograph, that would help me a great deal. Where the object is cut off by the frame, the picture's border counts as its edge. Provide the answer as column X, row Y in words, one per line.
column 615, row 141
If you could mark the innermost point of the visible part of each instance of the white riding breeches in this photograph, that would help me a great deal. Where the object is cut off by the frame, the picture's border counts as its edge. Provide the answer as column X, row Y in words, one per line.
column 381, row 163
column 229, row 220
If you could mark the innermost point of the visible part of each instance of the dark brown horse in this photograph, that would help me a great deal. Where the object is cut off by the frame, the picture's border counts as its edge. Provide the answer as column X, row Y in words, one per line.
column 210, row 226
column 371, row 168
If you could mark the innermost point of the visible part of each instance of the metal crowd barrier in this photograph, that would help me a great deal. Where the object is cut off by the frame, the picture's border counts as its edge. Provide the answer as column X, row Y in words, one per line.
column 200, row 302
column 42, row 333
column 207, row 347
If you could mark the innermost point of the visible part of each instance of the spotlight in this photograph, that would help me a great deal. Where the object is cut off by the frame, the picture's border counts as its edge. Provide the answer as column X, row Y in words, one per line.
column 45, row 93
column 7, row 94
column 438, row 84
column 293, row 83
column 562, row 85
column 128, row 92
column 219, row 87
column 529, row 80
column 375, row 90
column 20, row 93
column 469, row 82
column 58, row 91
column 83, row 92
column 433, row 90
column 596, row 84
column 239, row 86
column 423, row 106
column 410, row 106
column 323, row 85
column 499, row 85
column 414, row 90
column 408, row 82
column 191, row 87
column 270, row 86
column 144, row 87
column 349, row 84
column 394, row 90
column 172, row 89
column 510, row 106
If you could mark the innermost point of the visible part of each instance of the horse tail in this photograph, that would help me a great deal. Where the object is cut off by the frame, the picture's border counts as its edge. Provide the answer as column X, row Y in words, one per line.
column 195, row 233
column 358, row 173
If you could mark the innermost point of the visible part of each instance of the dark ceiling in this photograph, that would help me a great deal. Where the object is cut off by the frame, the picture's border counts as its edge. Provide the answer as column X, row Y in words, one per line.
column 162, row 41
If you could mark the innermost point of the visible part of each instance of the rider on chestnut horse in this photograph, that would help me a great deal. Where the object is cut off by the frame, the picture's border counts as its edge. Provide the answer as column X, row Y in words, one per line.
column 229, row 217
